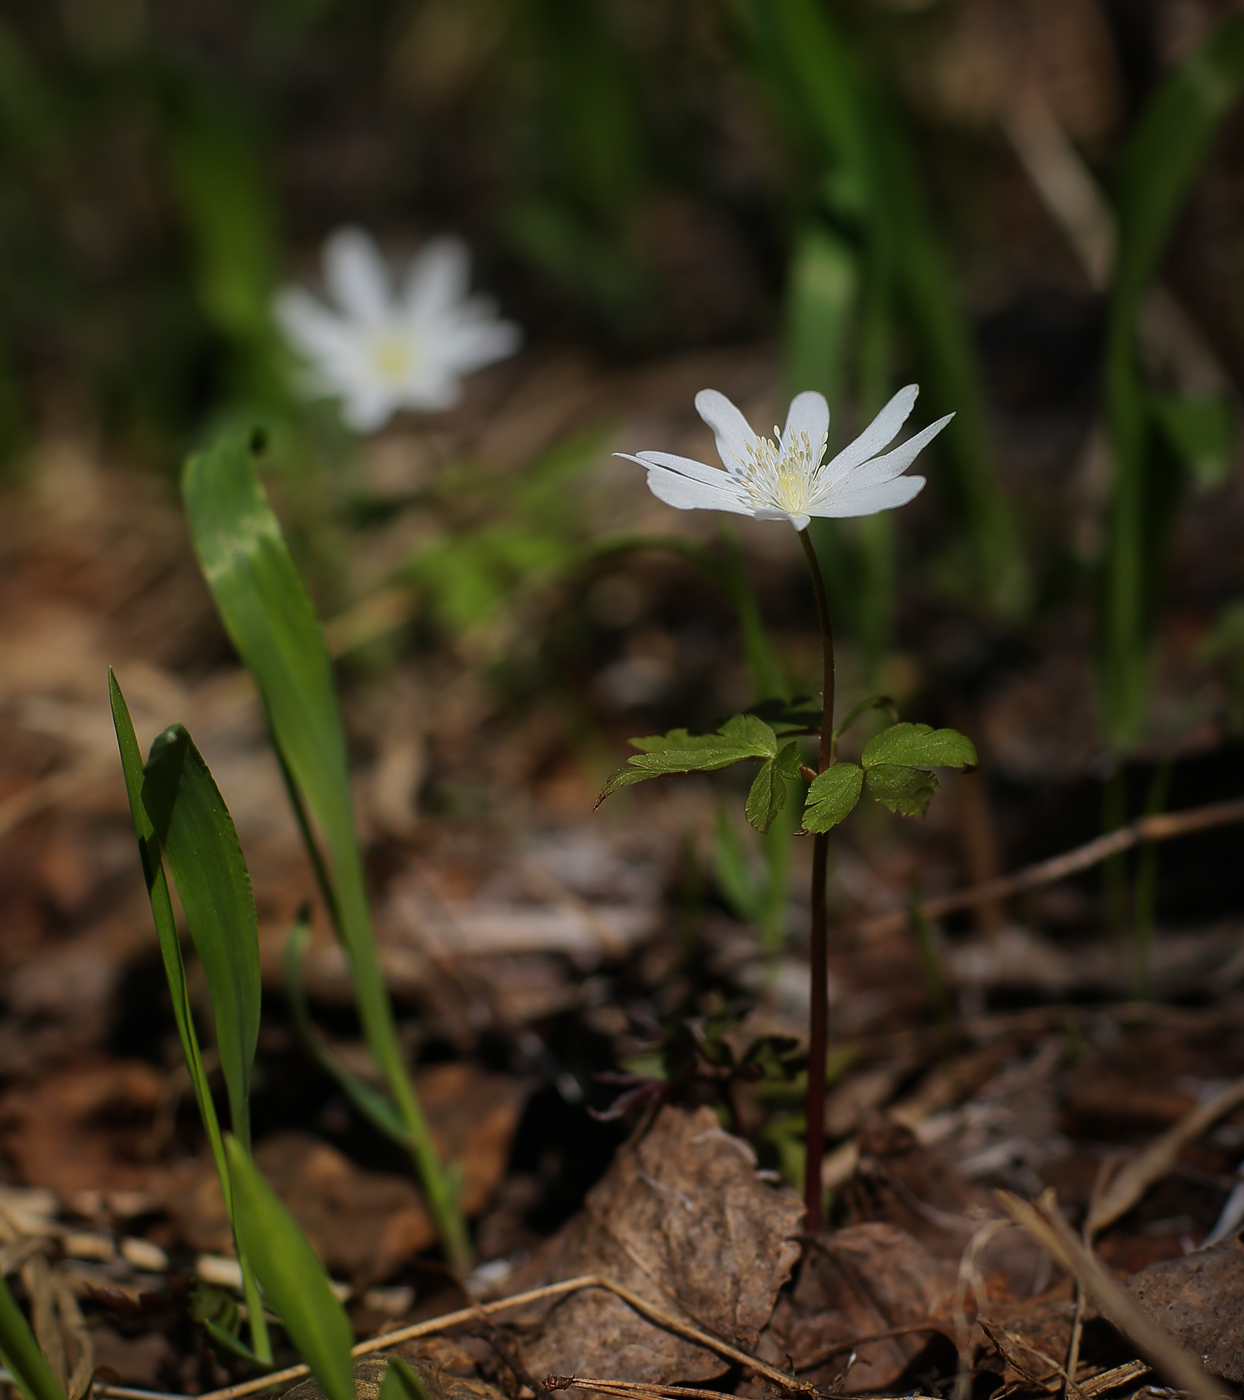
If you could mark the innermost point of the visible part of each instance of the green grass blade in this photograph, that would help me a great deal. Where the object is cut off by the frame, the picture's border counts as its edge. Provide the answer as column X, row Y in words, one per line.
column 403, row 1382
column 21, row 1355
column 166, row 927
column 1156, row 171
column 372, row 1105
column 175, row 973
column 292, row 1277
column 200, row 844
column 271, row 621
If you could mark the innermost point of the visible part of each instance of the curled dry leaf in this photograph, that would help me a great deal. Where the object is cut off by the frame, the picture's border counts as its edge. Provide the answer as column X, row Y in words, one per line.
column 682, row 1219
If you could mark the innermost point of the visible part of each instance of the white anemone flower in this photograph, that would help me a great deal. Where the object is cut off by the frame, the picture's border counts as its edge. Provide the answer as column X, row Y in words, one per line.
column 785, row 477
column 383, row 348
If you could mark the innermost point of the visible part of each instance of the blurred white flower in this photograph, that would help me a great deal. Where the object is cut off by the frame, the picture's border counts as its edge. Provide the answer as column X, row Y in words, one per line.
column 785, row 477
column 384, row 349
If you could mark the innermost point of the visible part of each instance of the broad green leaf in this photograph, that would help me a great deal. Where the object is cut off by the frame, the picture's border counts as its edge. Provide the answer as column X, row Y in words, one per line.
column 403, row 1382
column 921, row 745
column 768, row 793
column 270, row 619
column 166, row 926
column 21, row 1355
column 292, row 1276
column 371, row 1104
column 907, row 791
column 831, row 796
column 742, row 736
column 200, row 844
column 175, row 973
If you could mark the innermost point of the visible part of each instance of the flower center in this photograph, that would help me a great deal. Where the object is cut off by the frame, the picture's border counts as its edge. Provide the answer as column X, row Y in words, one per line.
column 392, row 358
column 781, row 476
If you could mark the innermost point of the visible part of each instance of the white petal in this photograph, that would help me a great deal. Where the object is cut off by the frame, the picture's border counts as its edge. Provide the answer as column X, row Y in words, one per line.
column 879, row 433
column 438, row 279
column 367, row 408
column 733, row 432
column 868, row 500
column 432, row 391
column 686, row 494
column 310, row 327
column 474, row 345
column 690, row 485
column 355, row 274
column 880, row 469
column 808, row 413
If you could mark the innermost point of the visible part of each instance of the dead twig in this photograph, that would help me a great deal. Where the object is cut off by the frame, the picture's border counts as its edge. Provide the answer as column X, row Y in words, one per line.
column 1139, row 1173
column 1042, row 1223
column 632, row 1390
column 552, row 1290
column 1160, row 826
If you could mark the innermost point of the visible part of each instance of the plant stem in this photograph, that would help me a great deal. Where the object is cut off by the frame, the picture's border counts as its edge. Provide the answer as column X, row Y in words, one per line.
column 818, row 1020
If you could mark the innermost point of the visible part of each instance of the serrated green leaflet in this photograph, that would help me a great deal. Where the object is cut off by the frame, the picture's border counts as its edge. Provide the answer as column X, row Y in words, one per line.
column 921, row 745
column 292, row 1277
column 768, row 791
column 831, row 796
column 200, row 844
column 907, row 791
column 270, row 619
column 742, row 736
column 21, row 1355
column 403, row 1382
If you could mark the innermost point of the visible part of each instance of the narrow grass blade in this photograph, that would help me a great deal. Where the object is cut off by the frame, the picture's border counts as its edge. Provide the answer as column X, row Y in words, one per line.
column 292, row 1276
column 372, row 1105
column 166, row 926
column 21, row 1355
column 200, row 844
column 175, row 973
column 403, row 1382
column 1164, row 154
column 271, row 621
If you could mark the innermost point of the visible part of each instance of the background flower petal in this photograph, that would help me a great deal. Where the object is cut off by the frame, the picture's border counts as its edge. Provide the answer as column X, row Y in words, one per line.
column 355, row 274
column 438, row 279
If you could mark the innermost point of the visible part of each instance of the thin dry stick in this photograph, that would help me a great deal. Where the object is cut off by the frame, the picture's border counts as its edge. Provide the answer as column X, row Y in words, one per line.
column 1104, row 1170
column 1160, row 826
column 629, row 1389
column 1139, row 1173
column 1045, row 1225
column 535, row 1295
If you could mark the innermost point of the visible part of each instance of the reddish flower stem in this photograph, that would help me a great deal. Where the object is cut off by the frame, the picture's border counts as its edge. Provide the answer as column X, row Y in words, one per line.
column 818, row 1021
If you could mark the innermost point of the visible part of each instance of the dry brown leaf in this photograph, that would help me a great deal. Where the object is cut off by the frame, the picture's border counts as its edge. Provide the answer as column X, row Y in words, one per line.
column 682, row 1219
column 858, row 1282
column 1047, row 1227
column 364, row 1224
column 1200, row 1300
